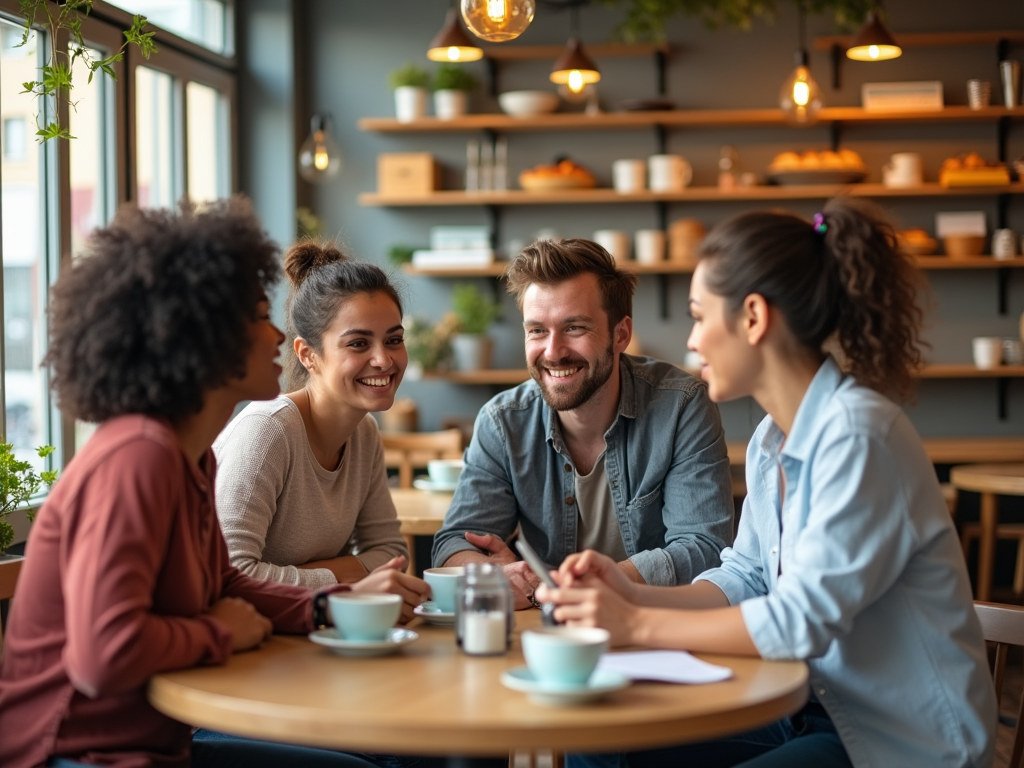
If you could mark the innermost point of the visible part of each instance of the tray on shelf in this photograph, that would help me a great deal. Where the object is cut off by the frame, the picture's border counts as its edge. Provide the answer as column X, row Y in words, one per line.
column 819, row 176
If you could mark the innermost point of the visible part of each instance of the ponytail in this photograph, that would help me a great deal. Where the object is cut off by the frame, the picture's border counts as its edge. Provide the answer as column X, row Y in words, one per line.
column 841, row 279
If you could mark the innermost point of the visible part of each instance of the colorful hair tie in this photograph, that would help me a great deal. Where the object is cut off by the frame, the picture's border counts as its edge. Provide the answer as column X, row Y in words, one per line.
column 819, row 223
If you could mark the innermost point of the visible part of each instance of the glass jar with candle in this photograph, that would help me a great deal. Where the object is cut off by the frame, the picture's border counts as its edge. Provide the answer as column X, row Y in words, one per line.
column 483, row 610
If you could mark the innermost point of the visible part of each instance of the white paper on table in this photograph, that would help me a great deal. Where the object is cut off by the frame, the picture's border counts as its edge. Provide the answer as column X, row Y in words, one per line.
column 663, row 666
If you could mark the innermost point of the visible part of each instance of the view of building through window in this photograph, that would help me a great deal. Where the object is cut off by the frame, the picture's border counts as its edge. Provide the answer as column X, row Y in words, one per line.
column 201, row 21
column 156, row 147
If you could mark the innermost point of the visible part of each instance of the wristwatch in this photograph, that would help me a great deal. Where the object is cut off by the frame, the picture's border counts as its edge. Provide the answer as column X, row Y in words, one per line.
column 321, row 614
column 532, row 597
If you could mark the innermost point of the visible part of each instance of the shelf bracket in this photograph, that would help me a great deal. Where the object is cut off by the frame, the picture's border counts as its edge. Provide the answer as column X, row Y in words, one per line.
column 1002, row 211
column 659, row 72
column 835, row 134
column 837, row 61
column 1003, row 385
column 1003, row 284
column 492, row 75
column 660, row 139
column 1002, row 50
column 493, row 224
column 663, row 296
column 1003, row 129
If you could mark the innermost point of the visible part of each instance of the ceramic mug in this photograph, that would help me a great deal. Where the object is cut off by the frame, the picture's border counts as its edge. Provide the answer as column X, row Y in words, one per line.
column 668, row 173
column 443, row 582
column 988, row 351
column 1004, row 244
column 615, row 241
column 903, row 170
column 564, row 655
column 629, row 176
column 650, row 246
column 364, row 617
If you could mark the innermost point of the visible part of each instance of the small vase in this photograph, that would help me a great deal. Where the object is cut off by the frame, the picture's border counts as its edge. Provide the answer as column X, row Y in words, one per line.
column 471, row 351
column 449, row 105
column 410, row 103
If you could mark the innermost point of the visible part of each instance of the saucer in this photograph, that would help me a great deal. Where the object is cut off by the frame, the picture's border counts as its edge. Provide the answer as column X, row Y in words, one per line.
column 432, row 615
column 332, row 639
column 426, row 484
column 601, row 683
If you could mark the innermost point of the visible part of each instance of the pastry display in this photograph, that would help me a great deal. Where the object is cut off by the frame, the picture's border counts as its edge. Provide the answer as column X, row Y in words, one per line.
column 562, row 174
column 917, row 242
column 826, row 167
column 972, row 170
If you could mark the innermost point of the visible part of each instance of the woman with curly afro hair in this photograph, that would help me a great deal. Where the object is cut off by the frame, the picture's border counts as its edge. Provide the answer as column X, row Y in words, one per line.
column 846, row 557
column 156, row 333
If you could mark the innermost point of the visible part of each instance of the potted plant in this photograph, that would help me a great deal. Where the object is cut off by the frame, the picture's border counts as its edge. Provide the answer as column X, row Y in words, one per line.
column 18, row 484
column 410, row 86
column 429, row 346
column 475, row 310
column 452, row 83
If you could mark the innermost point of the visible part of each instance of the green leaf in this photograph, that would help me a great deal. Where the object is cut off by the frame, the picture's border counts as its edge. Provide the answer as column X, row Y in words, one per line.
column 45, row 450
column 53, row 131
column 30, row 86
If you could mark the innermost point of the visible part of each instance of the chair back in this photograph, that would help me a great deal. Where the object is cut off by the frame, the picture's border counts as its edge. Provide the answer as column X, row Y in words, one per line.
column 1003, row 625
column 412, row 450
column 10, row 569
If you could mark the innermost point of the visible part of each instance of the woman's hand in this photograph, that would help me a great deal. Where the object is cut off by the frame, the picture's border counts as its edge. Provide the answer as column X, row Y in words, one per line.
column 592, row 563
column 591, row 602
column 391, row 578
column 247, row 626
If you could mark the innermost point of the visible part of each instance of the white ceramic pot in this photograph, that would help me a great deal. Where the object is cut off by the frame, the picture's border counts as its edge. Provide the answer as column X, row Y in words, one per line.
column 449, row 104
column 471, row 351
column 410, row 103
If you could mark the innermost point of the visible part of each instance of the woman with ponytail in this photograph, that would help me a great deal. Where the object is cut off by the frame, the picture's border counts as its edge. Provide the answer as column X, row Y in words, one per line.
column 846, row 556
column 302, row 491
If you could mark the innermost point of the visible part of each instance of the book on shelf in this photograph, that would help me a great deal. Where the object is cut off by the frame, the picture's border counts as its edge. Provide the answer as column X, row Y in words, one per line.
column 453, row 257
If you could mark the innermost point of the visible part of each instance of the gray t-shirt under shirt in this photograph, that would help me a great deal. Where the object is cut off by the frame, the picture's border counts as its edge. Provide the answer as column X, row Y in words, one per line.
column 597, row 527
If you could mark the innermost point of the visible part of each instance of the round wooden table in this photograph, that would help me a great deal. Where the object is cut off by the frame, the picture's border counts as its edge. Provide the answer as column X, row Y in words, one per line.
column 990, row 480
column 431, row 699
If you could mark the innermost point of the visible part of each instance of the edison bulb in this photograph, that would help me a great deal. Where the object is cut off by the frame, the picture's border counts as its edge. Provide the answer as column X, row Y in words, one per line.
column 319, row 155
column 497, row 20
column 800, row 97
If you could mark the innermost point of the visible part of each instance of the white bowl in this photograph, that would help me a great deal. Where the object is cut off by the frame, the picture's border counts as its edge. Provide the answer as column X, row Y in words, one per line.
column 528, row 103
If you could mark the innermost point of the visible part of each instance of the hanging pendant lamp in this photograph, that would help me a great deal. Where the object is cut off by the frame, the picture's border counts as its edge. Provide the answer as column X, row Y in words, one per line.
column 873, row 42
column 800, row 96
column 452, row 43
column 574, row 69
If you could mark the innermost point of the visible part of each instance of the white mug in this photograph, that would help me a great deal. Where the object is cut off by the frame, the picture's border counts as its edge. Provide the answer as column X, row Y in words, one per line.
column 650, row 246
column 615, row 241
column 1004, row 244
column 629, row 176
column 988, row 351
column 903, row 170
column 668, row 173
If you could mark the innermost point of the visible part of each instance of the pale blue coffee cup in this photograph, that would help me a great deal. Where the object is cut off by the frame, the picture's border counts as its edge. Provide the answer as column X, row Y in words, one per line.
column 445, row 471
column 564, row 656
column 443, row 582
column 366, row 617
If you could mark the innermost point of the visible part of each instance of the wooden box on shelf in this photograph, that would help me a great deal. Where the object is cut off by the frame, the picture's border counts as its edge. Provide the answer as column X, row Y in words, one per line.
column 407, row 173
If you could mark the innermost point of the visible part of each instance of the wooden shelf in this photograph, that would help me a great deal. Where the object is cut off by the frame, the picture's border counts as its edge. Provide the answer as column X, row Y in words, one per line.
column 930, row 39
column 498, row 268
column 694, row 194
column 594, row 50
column 513, row 376
column 691, row 118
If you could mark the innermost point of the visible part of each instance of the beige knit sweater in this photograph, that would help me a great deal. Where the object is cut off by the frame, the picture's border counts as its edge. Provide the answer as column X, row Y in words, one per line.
column 279, row 508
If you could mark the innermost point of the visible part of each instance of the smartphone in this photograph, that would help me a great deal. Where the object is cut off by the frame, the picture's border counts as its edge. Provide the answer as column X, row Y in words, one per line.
column 547, row 610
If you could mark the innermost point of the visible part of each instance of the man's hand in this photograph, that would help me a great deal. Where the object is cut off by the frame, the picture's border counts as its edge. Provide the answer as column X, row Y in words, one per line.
column 247, row 626
column 494, row 548
column 391, row 578
column 523, row 583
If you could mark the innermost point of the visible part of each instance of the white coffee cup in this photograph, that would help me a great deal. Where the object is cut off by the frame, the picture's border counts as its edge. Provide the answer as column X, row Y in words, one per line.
column 668, row 173
column 615, row 241
column 629, row 176
column 1004, row 244
column 650, row 246
column 988, row 351
column 903, row 170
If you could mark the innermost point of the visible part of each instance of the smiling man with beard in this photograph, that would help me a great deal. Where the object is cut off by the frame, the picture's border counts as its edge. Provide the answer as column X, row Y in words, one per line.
column 600, row 450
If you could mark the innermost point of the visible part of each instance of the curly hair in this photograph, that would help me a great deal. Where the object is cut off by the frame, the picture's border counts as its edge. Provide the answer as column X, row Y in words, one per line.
column 842, row 279
column 157, row 310
column 549, row 262
column 324, row 278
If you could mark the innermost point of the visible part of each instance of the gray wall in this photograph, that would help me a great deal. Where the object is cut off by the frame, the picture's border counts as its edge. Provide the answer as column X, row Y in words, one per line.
column 352, row 45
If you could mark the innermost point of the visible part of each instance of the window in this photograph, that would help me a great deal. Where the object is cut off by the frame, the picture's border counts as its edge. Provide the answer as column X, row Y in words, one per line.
column 208, row 156
column 202, row 21
column 14, row 138
column 155, row 143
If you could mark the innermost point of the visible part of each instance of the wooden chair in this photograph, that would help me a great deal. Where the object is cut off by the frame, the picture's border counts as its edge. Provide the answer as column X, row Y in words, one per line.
column 409, row 451
column 1006, row 531
column 1004, row 626
column 9, row 572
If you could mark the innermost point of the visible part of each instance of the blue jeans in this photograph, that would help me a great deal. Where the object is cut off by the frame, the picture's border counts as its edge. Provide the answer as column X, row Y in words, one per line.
column 806, row 740
column 203, row 739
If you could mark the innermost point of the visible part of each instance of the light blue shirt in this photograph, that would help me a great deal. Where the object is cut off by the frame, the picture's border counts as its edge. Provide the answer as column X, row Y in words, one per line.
column 873, row 591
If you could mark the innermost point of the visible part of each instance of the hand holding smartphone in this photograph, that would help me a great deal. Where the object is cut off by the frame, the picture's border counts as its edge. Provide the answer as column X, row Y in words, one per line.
column 540, row 570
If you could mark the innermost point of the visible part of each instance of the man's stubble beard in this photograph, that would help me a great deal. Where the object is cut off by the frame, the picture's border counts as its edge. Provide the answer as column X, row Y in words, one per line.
column 560, row 397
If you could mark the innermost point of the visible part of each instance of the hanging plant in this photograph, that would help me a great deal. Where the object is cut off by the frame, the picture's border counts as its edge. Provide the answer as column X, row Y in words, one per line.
column 645, row 19
column 56, row 74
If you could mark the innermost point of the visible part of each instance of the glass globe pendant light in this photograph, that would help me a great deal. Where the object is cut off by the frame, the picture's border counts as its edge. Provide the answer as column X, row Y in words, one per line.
column 319, row 155
column 800, row 96
column 497, row 20
column 452, row 43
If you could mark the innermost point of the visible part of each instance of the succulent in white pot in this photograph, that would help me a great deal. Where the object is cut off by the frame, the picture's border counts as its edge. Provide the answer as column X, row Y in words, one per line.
column 410, row 86
column 475, row 310
column 452, row 84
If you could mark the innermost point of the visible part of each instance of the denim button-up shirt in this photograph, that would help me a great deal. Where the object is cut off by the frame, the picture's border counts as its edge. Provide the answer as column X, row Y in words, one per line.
column 873, row 591
column 667, row 468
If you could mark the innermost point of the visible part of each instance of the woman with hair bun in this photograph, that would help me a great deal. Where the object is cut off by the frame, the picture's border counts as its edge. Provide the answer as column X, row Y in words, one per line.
column 846, row 556
column 302, row 490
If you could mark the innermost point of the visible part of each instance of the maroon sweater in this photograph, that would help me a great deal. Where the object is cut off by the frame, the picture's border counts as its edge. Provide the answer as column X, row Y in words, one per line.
column 124, row 560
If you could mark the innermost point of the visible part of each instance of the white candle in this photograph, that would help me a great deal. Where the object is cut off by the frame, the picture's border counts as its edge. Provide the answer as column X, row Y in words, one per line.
column 484, row 632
